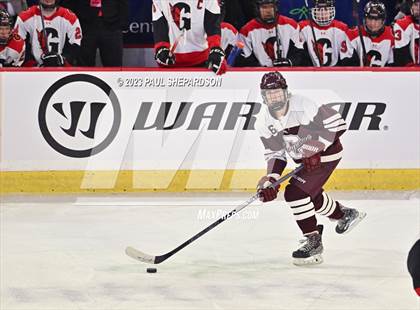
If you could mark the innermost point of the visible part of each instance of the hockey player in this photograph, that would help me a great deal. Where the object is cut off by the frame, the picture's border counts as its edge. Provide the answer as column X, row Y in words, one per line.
column 332, row 43
column 187, row 33
column 54, row 34
column 378, row 39
column 309, row 133
column 407, row 36
column 270, row 39
column 12, row 47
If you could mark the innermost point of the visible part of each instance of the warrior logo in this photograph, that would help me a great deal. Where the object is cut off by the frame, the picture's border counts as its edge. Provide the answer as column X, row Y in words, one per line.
column 83, row 126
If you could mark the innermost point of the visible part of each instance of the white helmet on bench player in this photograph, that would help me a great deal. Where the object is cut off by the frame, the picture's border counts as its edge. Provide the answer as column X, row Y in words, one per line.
column 324, row 12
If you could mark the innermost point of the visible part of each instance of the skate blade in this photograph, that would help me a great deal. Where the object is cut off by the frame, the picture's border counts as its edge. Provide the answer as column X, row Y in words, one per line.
column 360, row 217
column 309, row 261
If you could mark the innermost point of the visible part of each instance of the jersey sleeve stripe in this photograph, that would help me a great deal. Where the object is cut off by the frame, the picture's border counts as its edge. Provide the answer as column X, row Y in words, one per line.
column 331, row 119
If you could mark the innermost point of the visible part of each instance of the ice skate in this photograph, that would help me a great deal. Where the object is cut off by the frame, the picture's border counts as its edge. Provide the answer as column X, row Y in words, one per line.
column 351, row 218
column 310, row 251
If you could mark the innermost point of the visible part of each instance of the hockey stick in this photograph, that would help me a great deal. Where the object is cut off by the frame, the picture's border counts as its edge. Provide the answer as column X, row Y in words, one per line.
column 278, row 51
column 146, row 258
column 279, row 54
column 44, row 31
column 311, row 23
column 177, row 40
column 356, row 4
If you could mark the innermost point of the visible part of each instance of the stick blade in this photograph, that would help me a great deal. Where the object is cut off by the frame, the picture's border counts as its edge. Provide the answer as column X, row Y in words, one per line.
column 140, row 256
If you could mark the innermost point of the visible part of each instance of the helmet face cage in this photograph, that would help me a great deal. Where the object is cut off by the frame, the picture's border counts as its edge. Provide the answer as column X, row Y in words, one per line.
column 274, row 90
column 323, row 12
column 267, row 20
column 323, row 16
column 5, row 22
column 275, row 99
column 375, row 10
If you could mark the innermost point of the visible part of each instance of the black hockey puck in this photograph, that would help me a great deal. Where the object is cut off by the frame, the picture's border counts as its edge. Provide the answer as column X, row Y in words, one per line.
column 151, row 270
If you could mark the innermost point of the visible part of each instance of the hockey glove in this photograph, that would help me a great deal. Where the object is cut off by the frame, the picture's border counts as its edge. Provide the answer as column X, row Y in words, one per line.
column 216, row 61
column 311, row 154
column 264, row 188
column 164, row 57
column 312, row 163
column 52, row 60
column 282, row 62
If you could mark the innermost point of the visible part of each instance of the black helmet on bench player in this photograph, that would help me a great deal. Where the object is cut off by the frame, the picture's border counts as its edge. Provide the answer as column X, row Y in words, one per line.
column 5, row 27
column 374, row 10
column 267, row 19
column 274, row 90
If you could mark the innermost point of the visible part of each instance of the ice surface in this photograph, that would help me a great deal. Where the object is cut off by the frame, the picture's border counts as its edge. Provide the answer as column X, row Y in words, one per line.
column 70, row 255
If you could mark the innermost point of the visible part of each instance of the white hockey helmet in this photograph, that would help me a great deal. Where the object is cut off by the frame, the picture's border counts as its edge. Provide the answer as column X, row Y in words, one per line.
column 323, row 13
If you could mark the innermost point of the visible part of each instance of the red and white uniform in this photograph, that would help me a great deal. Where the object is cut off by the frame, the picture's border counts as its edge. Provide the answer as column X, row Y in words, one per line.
column 304, row 120
column 406, row 32
column 332, row 42
column 260, row 39
column 188, row 22
column 229, row 35
column 13, row 54
column 379, row 50
column 61, row 26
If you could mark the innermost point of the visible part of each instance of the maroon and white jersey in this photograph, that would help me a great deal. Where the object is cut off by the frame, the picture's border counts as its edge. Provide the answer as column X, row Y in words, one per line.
column 229, row 35
column 332, row 42
column 304, row 121
column 406, row 33
column 379, row 50
column 186, row 20
column 261, row 39
column 61, row 26
column 12, row 54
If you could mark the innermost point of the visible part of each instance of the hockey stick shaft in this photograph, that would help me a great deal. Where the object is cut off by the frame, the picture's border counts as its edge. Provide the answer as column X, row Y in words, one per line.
column 278, row 51
column 44, row 31
column 311, row 23
column 356, row 8
column 160, row 258
column 176, row 42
